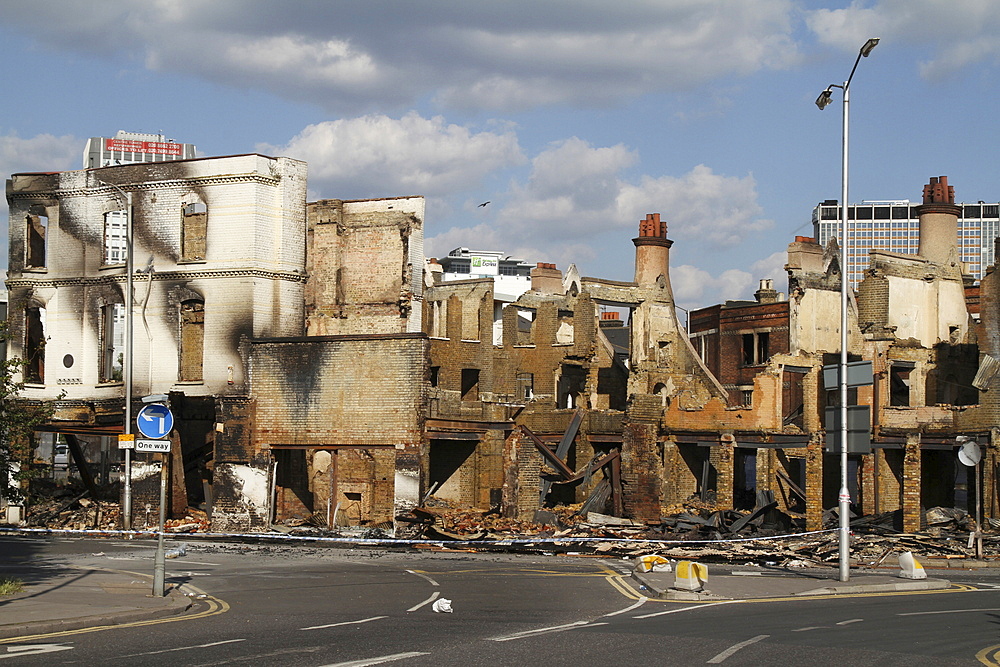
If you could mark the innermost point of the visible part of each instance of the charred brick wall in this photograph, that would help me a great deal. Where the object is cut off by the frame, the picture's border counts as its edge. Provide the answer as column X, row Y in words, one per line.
column 911, row 485
column 361, row 266
column 362, row 392
column 641, row 472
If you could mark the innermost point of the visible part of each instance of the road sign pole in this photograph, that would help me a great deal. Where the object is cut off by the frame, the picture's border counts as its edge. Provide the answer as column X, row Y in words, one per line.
column 159, row 588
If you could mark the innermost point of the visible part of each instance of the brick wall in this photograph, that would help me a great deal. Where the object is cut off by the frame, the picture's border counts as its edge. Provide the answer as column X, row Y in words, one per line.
column 360, row 265
column 362, row 392
column 911, row 485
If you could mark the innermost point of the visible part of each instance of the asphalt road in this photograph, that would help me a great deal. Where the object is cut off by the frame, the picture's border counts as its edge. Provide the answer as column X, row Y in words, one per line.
column 310, row 606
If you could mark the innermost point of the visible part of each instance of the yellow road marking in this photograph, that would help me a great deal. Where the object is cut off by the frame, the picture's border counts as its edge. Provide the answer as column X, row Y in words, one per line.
column 215, row 607
column 990, row 655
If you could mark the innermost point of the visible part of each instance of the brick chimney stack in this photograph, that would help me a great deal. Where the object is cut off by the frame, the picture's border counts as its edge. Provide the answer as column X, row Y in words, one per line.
column 546, row 279
column 766, row 292
column 652, row 253
column 938, row 220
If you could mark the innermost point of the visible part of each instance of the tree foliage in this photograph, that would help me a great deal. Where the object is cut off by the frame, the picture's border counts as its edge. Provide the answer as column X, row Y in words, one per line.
column 19, row 419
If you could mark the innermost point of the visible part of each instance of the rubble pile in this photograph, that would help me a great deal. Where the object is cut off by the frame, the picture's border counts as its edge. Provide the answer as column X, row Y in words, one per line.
column 698, row 530
column 72, row 507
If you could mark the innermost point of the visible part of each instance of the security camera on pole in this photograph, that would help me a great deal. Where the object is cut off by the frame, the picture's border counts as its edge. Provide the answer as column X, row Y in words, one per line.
column 155, row 421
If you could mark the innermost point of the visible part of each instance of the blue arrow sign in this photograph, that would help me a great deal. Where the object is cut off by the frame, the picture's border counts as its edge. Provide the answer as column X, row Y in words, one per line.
column 155, row 421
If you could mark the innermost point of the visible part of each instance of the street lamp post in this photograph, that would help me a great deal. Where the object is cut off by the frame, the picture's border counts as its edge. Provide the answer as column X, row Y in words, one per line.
column 845, row 496
column 127, row 495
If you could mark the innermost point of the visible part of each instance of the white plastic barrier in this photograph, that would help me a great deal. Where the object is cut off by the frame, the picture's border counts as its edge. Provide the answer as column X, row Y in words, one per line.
column 909, row 567
column 690, row 576
column 652, row 563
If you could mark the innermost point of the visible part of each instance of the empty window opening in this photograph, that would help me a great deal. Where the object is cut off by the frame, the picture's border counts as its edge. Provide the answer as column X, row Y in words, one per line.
column 194, row 232
column 192, row 340
column 36, row 238
column 34, row 345
column 572, row 382
column 115, row 237
column 112, row 342
column 435, row 375
column 452, row 470
column 899, row 384
column 525, row 386
column 793, row 396
column 755, row 348
column 470, row 384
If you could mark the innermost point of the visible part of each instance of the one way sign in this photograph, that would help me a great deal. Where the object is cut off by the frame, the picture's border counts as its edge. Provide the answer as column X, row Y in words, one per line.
column 155, row 421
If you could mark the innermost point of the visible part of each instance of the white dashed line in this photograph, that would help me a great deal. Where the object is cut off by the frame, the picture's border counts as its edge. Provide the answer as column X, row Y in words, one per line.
column 734, row 648
column 425, row 602
column 333, row 625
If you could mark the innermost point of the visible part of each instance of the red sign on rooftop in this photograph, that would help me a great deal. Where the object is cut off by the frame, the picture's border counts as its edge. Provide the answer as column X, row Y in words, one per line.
column 132, row 146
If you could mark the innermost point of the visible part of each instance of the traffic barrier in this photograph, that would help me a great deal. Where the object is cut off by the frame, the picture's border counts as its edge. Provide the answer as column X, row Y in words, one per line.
column 690, row 576
column 652, row 563
column 910, row 567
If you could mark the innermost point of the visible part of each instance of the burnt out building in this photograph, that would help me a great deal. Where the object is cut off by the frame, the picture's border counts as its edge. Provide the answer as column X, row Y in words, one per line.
column 219, row 248
column 334, row 420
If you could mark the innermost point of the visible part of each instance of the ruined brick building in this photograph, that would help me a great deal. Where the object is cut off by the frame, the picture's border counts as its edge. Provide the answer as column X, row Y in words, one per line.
column 219, row 246
column 318, row 370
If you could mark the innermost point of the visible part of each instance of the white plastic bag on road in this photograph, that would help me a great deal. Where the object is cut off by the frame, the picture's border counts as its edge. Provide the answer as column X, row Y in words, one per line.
column 442, row 606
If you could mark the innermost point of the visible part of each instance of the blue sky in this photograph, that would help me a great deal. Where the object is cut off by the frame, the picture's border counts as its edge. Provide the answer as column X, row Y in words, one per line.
column 573, row 118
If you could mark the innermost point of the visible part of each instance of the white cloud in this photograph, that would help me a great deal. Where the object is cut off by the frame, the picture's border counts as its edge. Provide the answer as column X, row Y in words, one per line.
column 577, row 193
column 358, row 56
column 43, row 152
column 961, row 32
column 695, row 287
column 773, row 267
column 699, row 205
column 377, row 155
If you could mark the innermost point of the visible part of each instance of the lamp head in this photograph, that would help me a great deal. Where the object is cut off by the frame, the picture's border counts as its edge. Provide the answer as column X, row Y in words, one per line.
column 869, row 46
column 824, row 99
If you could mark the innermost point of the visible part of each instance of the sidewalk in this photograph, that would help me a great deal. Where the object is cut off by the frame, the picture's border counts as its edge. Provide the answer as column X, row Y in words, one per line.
column 730, row 584
column 63, row 598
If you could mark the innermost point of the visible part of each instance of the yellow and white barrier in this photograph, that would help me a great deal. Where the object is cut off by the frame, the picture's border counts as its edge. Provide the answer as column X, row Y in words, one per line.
column 690, row 576
column 909, row 567
column 652, row 563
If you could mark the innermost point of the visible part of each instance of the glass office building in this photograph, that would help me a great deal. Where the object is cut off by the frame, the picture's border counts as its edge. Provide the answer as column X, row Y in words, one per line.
column 894, row 226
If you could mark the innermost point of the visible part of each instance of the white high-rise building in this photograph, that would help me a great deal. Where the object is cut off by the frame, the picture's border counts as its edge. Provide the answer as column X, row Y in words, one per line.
column 894, row 226
column 132, row 148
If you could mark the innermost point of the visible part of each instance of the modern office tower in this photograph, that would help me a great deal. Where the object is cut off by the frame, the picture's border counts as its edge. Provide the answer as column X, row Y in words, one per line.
column 894, row 226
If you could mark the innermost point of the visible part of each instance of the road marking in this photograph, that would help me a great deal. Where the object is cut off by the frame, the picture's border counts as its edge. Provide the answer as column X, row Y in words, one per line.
column 545, row 631
column 377, row 661
column 946, row 611
column 811, row 627
column 736, row 647
column 425, row 602
column 617, row 582
column 333, row 625
column 988, row 656
column 677, row 611
column 215, row 606
column 183, row 648
column 424, row 576
column 627, row 609
column 33, row 649
column 853, row 620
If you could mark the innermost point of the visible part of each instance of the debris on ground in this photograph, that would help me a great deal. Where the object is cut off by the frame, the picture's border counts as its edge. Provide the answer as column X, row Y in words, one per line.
column 694, row 530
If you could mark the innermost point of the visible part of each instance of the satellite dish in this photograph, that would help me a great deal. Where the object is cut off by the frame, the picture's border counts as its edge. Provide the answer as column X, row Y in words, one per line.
column 970, row 453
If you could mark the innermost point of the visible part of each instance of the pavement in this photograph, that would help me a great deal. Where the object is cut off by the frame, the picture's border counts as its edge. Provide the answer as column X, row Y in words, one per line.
column 58, row 599
column 776, row 582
